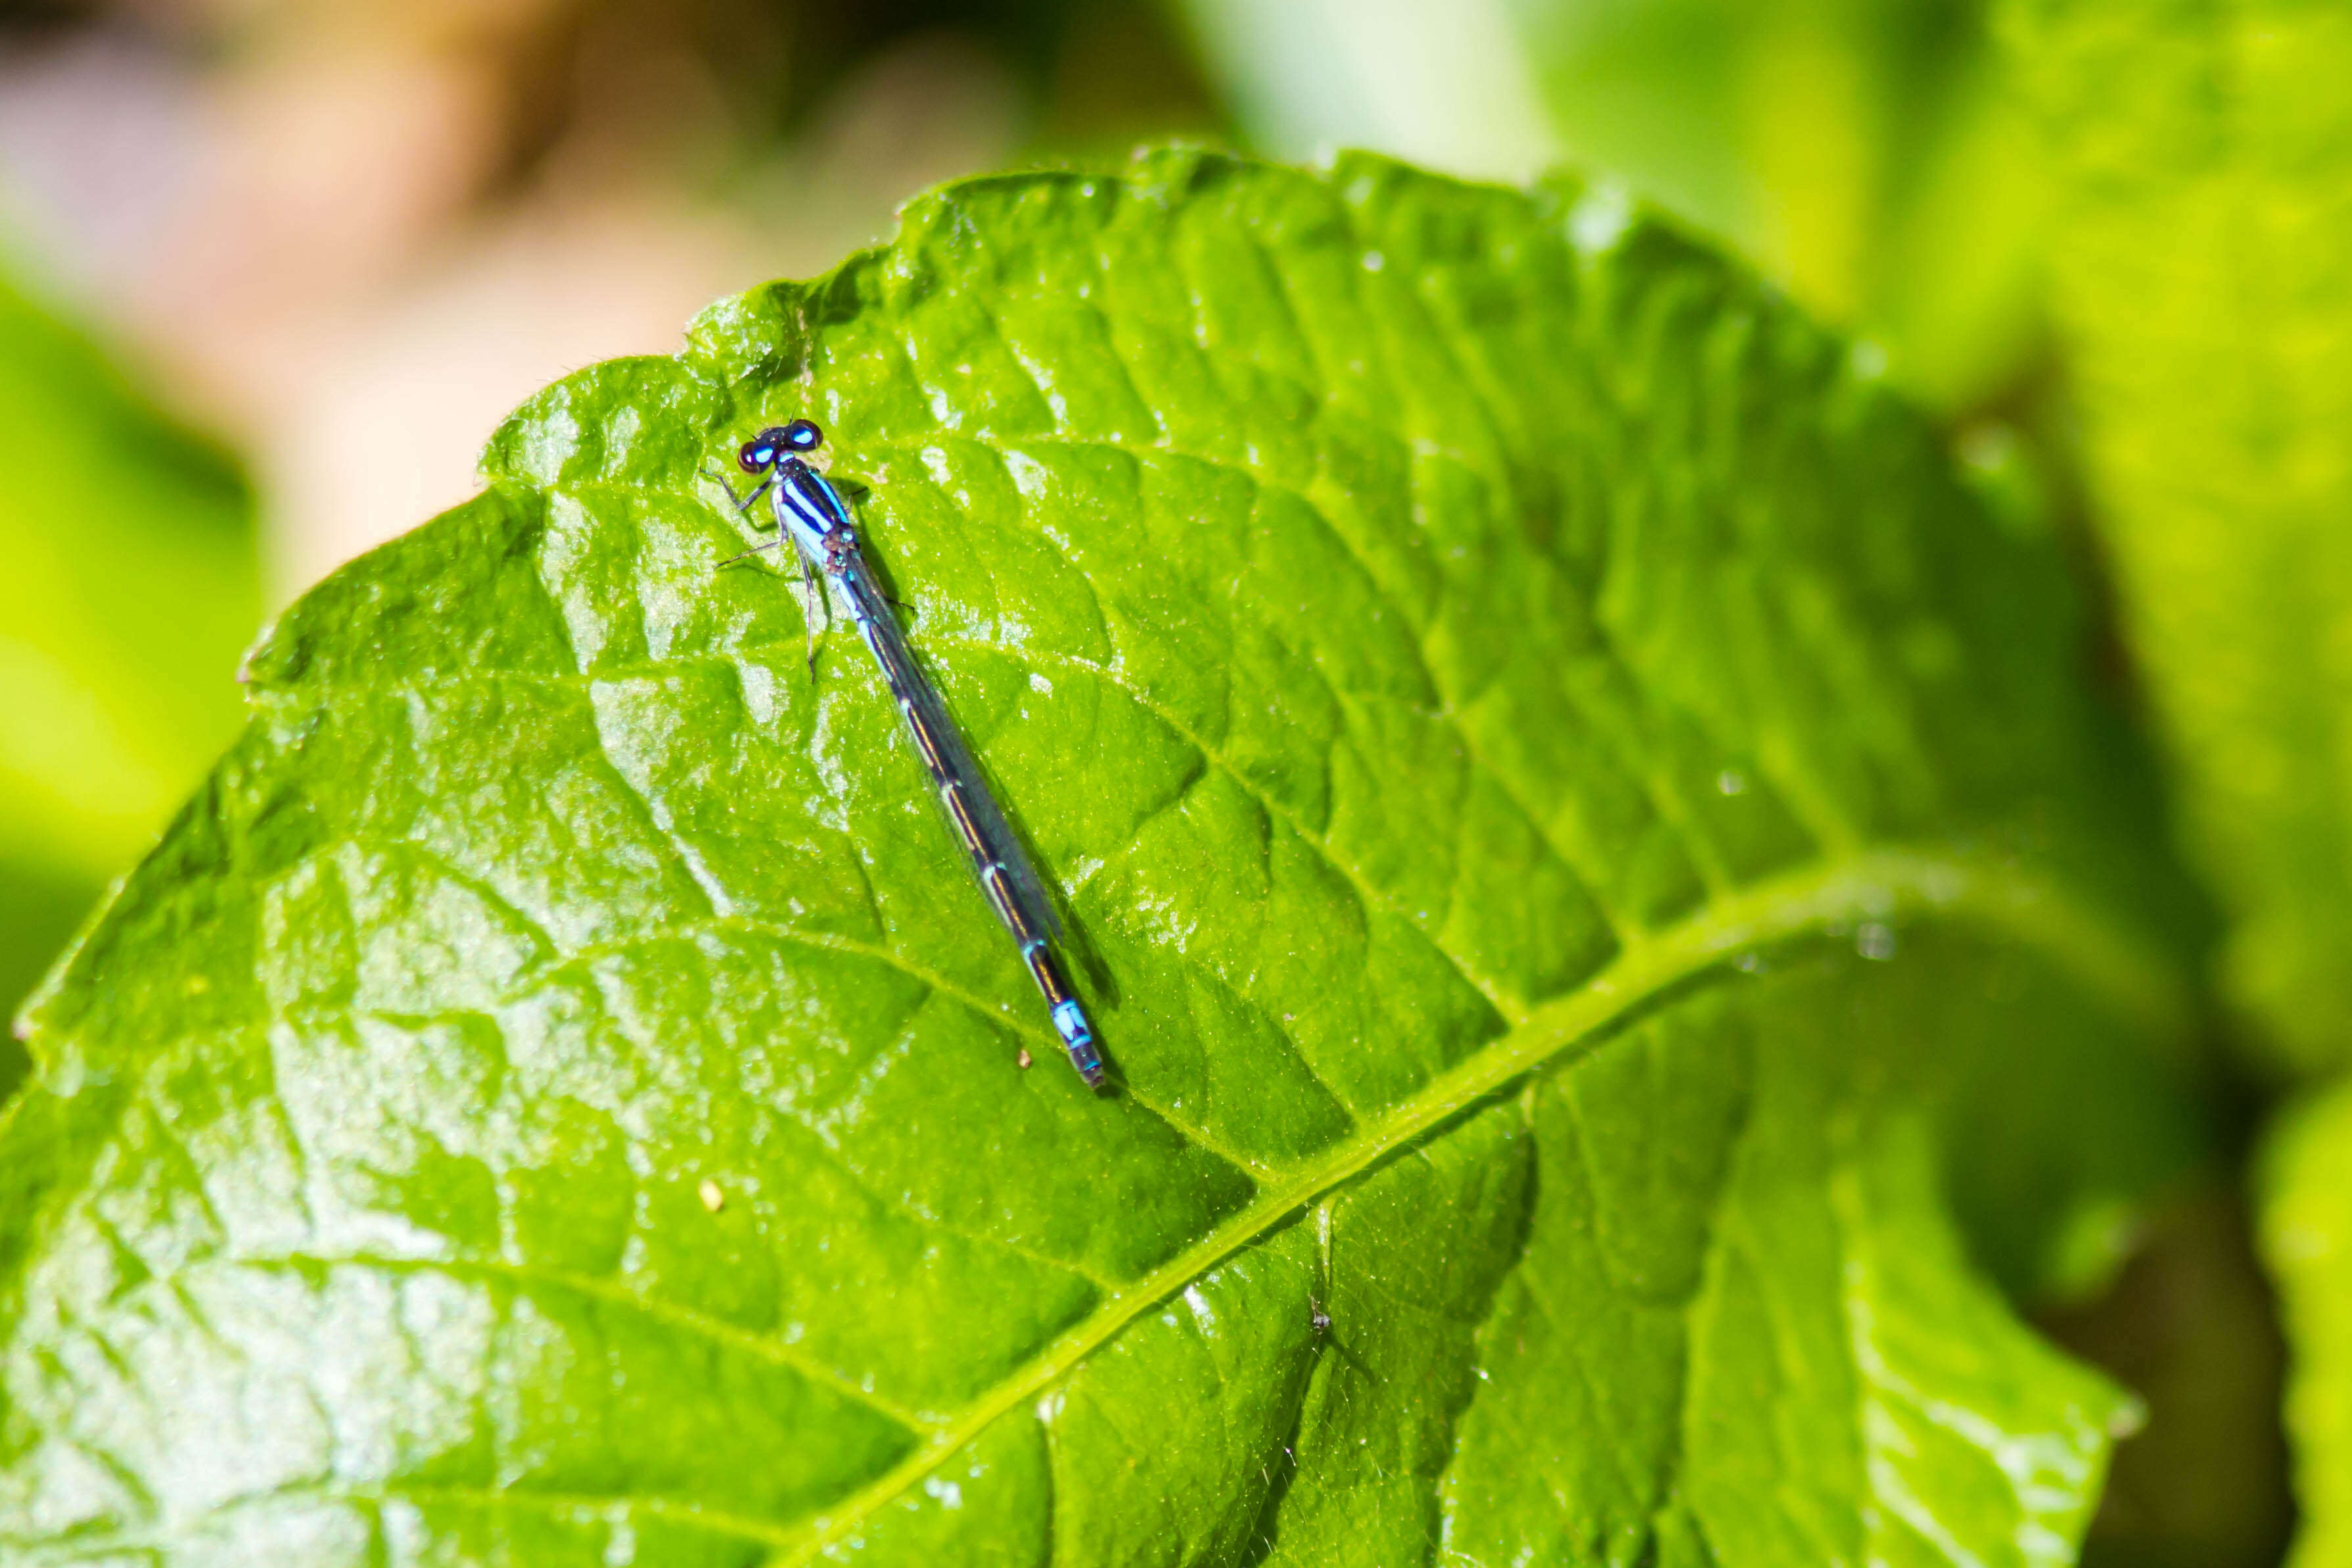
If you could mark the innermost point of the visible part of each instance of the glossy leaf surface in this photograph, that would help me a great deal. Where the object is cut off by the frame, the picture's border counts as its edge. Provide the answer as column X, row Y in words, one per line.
column 1590, row 865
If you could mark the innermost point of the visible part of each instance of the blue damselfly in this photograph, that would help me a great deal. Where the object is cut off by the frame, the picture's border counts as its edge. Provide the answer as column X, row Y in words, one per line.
column 812, row 519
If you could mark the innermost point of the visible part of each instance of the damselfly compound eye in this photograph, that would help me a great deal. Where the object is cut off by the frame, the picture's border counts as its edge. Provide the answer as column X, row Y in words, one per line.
column 802, row 436
column 758, row 454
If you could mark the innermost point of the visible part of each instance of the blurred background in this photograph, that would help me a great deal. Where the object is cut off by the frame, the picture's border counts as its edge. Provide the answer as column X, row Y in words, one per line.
column 271, row 271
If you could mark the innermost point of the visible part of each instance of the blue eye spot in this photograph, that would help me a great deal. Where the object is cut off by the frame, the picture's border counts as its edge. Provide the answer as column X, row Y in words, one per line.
column 758, row 454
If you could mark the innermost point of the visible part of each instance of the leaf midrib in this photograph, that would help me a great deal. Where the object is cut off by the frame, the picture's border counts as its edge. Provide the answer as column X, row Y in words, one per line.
column 1893, row 884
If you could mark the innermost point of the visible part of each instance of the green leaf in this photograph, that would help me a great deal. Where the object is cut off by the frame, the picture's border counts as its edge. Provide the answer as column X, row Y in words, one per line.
column 1866, row 156
column 2307, row 1242
column 1592, row 870
column 130, row 587
column 2208, row 156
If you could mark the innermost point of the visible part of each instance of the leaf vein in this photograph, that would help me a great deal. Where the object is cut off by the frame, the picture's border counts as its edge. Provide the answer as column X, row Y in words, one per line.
column 1908, row 883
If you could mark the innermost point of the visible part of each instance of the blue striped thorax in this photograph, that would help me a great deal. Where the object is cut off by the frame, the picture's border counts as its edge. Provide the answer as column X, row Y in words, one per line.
column 813, row 510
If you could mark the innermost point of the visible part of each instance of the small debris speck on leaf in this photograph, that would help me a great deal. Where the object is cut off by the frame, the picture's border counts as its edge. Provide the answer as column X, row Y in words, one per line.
column 713, row 1198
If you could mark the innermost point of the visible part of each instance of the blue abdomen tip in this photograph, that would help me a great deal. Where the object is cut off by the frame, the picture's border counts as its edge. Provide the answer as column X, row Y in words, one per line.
column 1070, row 1022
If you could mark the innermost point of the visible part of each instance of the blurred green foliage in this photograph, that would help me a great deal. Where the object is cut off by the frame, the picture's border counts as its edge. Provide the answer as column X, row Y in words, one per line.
column 2201, row 258
column 1867, row 153
column 2307, row 1238
column 2204, row 154
column 1864, row 152
column 130, row 585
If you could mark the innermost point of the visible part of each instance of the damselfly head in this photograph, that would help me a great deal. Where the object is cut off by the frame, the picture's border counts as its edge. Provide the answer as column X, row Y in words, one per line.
column 764, row 451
